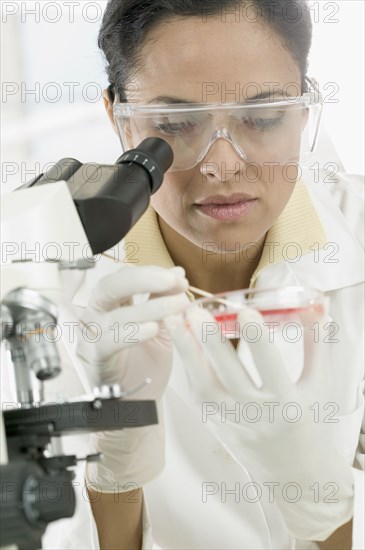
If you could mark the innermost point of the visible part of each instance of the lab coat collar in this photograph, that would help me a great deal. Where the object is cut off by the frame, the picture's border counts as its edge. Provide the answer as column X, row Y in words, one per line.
column 147, row 239
column 335, row 264
column 294, row 233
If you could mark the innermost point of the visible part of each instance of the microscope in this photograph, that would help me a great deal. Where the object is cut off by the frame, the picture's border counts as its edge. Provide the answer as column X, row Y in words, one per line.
column 92, row 207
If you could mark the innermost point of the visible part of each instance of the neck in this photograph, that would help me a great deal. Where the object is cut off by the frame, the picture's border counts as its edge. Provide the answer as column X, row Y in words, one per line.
column 209, row 268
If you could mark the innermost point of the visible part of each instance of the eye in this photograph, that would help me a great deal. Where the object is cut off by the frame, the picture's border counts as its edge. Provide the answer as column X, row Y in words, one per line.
column 263, row 123
column 175, row 128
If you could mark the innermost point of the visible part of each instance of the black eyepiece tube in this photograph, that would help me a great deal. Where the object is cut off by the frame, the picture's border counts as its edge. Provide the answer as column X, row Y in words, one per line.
column 156, row 148
column 113, row 198
column 154, row 154
column 160, row 150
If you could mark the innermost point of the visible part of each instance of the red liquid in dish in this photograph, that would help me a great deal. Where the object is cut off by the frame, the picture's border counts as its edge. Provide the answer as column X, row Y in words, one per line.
column 306, row 316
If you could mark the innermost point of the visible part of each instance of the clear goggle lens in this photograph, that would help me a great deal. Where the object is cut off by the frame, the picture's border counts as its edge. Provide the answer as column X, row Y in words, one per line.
column 279, row 132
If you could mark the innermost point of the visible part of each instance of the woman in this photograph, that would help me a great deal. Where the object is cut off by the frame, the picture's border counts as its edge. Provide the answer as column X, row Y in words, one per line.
column 229, row 213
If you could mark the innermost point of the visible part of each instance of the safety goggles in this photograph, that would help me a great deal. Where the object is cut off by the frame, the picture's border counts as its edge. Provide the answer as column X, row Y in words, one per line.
column 276, row 132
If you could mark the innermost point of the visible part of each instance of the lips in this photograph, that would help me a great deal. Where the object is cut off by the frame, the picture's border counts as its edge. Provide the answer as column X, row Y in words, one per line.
column 226, row 199
column 227, row 208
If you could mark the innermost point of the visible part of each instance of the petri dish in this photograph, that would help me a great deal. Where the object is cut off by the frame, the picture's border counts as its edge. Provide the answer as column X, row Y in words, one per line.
column 294, row 304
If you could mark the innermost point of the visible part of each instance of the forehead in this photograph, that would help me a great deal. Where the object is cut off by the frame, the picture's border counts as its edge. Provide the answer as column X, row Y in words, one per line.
column 185, row 57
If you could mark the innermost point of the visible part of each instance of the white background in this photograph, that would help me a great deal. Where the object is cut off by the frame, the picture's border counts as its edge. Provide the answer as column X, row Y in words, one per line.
column 34, row 50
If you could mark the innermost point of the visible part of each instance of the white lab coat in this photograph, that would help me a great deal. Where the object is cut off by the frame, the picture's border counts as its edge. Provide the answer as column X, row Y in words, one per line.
column 176, row 509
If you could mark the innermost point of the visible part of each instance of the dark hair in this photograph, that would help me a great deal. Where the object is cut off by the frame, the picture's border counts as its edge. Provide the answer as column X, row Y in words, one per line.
column 126, row 24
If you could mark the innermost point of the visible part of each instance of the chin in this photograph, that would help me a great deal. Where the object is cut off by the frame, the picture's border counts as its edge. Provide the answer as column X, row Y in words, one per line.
column 233, row 232
column 225, row 242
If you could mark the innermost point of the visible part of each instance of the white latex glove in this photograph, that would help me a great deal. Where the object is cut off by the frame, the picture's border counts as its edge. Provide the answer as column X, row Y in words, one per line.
column 261, row 436
column 133, row 346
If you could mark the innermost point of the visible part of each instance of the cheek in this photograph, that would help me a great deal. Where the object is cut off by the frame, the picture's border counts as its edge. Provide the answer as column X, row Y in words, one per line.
column 173, row 203
column 279, row 182
column 168, row 201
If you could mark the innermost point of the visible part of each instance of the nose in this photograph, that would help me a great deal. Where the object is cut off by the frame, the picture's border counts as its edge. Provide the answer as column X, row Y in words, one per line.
column 223, row 158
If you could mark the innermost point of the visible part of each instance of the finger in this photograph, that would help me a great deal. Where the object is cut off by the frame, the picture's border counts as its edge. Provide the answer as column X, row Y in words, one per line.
column 200, row 376
column 221, row 354
column 317, row 366
column 151, row 310
column 113, row 339
column 120, row 333
column 115, row 288
column 180, row 272
column 130, row 335
column 266, row 356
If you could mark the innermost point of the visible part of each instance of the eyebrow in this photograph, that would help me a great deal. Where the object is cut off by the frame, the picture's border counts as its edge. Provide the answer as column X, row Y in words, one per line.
column 169, row 99
column 176, row 100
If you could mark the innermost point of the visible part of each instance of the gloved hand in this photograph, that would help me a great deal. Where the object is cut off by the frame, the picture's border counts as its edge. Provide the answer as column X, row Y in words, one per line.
column 131, row 345
column 271, row 430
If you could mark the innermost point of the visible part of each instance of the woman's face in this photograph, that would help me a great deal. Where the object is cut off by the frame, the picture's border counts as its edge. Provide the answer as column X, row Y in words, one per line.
column 217, row 61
